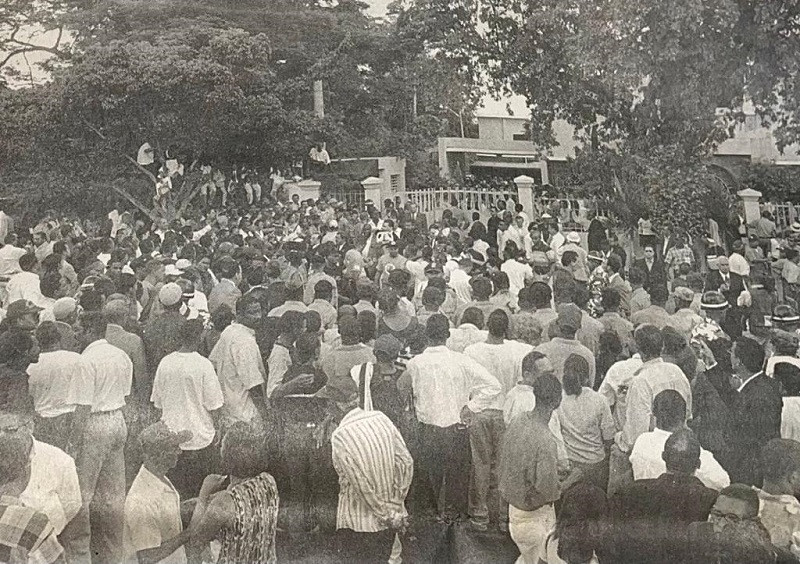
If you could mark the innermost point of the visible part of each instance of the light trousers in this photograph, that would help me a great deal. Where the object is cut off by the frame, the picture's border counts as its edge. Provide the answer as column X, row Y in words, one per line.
column 529, row 529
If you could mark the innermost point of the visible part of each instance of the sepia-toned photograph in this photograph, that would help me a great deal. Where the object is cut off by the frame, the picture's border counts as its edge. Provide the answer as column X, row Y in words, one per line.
column 399, row 281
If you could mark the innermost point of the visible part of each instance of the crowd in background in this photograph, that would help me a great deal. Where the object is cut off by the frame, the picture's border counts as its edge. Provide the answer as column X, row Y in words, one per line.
column 181, row 391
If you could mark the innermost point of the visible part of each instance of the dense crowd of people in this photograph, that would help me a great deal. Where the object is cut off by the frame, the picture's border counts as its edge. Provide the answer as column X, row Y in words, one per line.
column 181, row 391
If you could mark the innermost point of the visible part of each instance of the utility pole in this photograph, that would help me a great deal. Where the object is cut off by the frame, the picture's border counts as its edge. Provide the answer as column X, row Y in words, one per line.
column 319, row 100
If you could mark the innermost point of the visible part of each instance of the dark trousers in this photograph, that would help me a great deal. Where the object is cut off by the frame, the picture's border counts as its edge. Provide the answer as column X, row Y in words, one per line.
column 302, row 465
column 446, row 462
column 55, row 431
column 192, row 468
column 366, row 548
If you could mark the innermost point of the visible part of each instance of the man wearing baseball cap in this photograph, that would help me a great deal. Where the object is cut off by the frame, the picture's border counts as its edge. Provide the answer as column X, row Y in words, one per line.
column 22, row 315
column 153, row 530
column 161, row 332
column 375, row 471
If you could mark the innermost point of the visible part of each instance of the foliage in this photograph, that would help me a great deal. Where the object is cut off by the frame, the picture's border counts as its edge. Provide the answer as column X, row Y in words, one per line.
column 227, row 82
column 776, row 183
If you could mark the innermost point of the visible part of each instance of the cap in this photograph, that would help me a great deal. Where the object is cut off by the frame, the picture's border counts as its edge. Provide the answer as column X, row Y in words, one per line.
column 187, row 287
column 684, row 293
column 713, row 300
column 388, row 344
column 21, row 307
column 158, row 436
column 573, row 237
column 64, row 307
column 477, row 257
column 333, row 224
column 339, row 388
column 752, row 237
column 170, row 294
column 784, row 313
column 183, row 264
column 172, row 270
column 795, row 227
column 569, row 316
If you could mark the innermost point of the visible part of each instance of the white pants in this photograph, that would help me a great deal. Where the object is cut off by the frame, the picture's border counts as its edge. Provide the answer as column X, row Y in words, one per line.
column 529, row 529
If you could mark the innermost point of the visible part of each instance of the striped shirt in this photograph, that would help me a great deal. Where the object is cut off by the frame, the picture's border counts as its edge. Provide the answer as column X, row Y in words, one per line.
column 375, row 470
column 26, row 535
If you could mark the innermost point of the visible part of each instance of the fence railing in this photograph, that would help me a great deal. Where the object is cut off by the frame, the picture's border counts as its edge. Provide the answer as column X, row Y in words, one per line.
column 784, row 214
column 433, row 202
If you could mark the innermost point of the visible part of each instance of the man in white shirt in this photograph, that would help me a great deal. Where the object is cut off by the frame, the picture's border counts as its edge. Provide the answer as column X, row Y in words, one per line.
column 239, row 366
column 187, row 391
column 653, row 377
column 101, row 460
column 615, row 387
column 25, row 284
column 153, row 528
column 449, row 389
column 646, row 457
column 58, row 384
column 518, row 273
column 503, row 359
column 10, row 255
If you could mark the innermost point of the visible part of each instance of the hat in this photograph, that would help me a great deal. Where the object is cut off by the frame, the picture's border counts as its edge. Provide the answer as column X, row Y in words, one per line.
column 477, row 257
column 573, row 237
column 19, row 308
column 339, row 388
column 390, row 243
column 713, row 300
column 684, row 293
column 183, row 264
column 64, row 307
column 388, row 344
column 172, row 270
column 88, row 282
column 795, row 227
column 157, row 437
column 595, row 255
column 170, row 294
column 333, row 224
column 784, row 313
column 569, row 316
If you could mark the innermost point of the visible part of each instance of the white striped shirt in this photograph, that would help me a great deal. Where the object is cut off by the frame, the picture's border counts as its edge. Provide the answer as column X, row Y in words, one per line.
column 375, row 470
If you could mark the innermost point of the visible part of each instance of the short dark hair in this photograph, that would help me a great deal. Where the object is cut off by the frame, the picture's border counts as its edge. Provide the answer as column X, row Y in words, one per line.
column 669, row 408
column 576, row 374
column 779, row 458
column 498, row 323
column 614, row 263
column 246, row 301
column 530, row 360
column 473, row 315
column 28, row 261
column 437, row 328
column 743, row 493
column 636, row 276
column 15, row 451
column 432, row 295
column 47, row 334
column 547, row 391
column 367, row 323
column 649, row 340
column 227, row 267
column 568, row 258
column 306, row 346
column 750, row 353
column 481, row 288
column 323, row 290
column 581, row 296
column 610, row 299
column 291, row 322
column 191, row 331
column 541, row 294
column 94, row 322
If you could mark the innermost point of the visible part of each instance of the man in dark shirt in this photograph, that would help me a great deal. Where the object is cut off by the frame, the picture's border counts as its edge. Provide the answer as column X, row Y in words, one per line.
column 162, row 333
column 18, row 349
column 528, row 473
column 492, row 225
column 650, row 518
column 299, row 414
column 477, row 230
column 756, row 412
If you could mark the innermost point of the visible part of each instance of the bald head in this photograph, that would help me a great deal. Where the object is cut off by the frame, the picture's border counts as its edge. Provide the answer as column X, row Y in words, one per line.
column 682, row 452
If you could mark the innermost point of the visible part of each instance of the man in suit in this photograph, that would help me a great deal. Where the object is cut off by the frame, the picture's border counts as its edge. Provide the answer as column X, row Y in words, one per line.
column 756, row 412
column 414, row 219
column 730, row 285
column 655, row 275
column 650, row 518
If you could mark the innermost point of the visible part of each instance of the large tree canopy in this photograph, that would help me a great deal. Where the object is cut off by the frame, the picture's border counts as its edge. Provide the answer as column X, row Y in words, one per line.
column 229, row 82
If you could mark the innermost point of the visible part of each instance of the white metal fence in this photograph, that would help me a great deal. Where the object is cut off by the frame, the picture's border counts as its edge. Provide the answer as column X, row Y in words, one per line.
column 784, row 214
column 434, row 201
